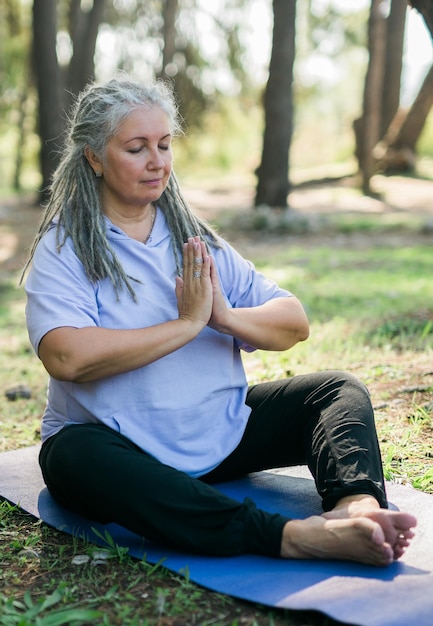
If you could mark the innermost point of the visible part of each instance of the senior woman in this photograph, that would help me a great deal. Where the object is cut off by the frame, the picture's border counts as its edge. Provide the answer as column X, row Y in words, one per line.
column 139, row 312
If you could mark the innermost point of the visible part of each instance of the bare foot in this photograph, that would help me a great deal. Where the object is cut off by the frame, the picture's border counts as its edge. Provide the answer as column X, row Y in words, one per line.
column 358, row 539
column 396, row 525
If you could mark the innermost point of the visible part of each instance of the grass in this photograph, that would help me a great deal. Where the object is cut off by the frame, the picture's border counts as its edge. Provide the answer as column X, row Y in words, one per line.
column 371, row 312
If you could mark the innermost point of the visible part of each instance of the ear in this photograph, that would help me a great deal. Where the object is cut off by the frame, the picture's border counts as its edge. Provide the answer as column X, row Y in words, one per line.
column 94, row 161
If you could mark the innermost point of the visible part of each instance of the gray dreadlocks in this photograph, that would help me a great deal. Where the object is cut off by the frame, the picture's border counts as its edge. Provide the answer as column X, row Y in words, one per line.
column 74, row 193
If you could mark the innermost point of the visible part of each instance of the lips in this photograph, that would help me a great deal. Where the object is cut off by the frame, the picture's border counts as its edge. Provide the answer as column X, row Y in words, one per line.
column 152, row 183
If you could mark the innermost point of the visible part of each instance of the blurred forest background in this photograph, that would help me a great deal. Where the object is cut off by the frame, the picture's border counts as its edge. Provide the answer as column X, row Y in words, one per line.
column 278, row 92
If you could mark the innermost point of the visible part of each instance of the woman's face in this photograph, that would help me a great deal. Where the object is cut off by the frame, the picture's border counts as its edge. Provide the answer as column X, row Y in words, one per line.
column 138, row 161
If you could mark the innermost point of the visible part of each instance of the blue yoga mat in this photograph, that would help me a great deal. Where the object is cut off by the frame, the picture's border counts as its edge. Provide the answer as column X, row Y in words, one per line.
column 399, row 595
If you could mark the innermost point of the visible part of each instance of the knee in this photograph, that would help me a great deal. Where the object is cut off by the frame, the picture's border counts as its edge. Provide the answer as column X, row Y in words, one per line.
column 345, row 389
column 356, row 386
column 349, row 382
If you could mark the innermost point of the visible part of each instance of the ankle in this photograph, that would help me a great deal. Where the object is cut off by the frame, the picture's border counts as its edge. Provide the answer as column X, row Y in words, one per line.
column 356, row 504
column 365, row 498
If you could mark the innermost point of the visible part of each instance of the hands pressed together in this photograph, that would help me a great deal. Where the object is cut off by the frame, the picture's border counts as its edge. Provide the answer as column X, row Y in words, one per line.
column 198, row 291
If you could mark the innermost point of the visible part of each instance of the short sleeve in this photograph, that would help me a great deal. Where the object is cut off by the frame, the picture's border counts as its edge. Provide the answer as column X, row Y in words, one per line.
column 58, row 291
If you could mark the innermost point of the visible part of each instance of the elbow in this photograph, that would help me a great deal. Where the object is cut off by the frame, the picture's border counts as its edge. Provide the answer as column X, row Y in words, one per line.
column 60, row 357
column 303, row 324
column 61, row 365
column 296, row 336
column 62, row 370
column 303, row 328
column 299, row 328
column 304, row 332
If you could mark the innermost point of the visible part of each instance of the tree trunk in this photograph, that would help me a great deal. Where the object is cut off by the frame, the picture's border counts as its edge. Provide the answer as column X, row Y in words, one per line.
column 84, row 26
column 273, row 173
column 48, row 85
column 367, row 128
column 169, row 31
column 398, row 152
column 395, row 25
column 55, row 90
column 414, row 122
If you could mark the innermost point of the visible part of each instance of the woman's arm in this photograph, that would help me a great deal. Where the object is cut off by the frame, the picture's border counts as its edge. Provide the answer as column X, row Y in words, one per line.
column 85, row 354
column 277, row 324
column 91, row 353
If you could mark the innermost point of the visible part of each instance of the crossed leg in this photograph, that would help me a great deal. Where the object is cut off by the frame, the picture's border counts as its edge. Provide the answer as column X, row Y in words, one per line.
column 357, row 529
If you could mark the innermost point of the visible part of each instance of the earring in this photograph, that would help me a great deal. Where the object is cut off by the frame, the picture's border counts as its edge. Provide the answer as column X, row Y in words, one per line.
column 98, row 174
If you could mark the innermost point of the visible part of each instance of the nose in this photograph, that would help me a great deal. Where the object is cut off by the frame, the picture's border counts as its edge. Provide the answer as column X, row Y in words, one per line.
column 155, row 159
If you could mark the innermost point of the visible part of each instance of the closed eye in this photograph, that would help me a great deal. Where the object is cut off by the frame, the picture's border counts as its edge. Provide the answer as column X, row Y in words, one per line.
column 164, row 148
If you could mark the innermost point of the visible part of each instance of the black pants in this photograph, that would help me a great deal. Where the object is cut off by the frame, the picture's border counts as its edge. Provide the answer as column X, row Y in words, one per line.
column 324, row 420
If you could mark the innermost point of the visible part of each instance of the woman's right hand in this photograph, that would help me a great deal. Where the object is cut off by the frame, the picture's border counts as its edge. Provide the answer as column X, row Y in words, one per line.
column 194, row 288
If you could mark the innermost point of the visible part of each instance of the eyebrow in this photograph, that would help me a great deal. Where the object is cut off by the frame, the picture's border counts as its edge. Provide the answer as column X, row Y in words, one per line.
column 147, row 139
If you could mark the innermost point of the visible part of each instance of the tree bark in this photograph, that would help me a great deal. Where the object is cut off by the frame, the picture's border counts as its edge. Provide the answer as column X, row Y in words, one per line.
column 415, row 119
column 56, row 88
column 273, row 173
column 395, row 27
column 48, row 86
column 397, row 153
column 84, row 28
column 169, row 31
column 367, row 128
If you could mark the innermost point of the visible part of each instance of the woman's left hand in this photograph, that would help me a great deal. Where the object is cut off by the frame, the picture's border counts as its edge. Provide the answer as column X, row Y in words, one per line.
column 220, row 310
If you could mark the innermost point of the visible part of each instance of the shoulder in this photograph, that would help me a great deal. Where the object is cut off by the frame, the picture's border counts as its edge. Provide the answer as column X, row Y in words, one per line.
column 55, row 242
column 230, row 263
column 56, row 255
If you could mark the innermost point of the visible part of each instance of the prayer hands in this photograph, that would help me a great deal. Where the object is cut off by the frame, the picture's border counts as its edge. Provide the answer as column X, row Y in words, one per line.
column 198, row 292
column 194, row 288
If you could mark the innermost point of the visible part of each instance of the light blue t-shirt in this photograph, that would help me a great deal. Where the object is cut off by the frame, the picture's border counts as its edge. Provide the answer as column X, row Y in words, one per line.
column 188, row 408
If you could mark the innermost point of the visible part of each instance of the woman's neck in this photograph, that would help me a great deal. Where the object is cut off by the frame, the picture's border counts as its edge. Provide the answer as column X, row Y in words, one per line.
column 137, row 225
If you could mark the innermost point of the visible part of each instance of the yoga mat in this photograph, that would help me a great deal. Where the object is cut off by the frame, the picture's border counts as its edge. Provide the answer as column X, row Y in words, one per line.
column 398, row 595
